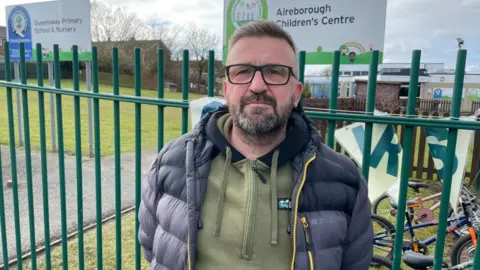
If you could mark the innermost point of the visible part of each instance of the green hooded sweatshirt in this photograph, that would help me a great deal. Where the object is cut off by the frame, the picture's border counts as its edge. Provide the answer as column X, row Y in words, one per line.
column 245, row 211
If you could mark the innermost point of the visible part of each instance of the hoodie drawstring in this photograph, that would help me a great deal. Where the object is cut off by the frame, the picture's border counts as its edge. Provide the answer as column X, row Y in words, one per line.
column 221, row 196
column 273, row 193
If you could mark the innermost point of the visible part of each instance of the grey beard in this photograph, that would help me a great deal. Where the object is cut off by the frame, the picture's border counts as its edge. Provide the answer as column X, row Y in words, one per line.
column 263, row 127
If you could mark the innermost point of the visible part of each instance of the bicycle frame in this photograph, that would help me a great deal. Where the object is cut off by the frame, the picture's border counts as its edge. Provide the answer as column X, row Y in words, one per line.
column 461, row 220
column 461, row 266
column 420, row 201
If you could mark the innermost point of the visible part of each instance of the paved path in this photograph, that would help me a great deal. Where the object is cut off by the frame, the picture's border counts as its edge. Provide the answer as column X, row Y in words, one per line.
column 89, row 200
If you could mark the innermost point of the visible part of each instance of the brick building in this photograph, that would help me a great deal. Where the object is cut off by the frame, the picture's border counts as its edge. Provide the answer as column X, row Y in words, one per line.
column 387, row 95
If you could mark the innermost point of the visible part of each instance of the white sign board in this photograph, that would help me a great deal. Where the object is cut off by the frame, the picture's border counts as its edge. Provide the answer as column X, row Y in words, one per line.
column 385, row 158
column 386, row 155
column 437, row 139
column 319, row 27
column 62, row 22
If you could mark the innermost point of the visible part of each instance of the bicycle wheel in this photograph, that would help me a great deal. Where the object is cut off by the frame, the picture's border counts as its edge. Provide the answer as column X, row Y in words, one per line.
column 379, row 262
column 382, row 241
column 382, row 207
column 462, row 251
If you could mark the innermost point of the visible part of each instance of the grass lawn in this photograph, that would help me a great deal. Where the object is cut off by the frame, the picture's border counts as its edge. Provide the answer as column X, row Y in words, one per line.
column 90, row 251
column 172, row 124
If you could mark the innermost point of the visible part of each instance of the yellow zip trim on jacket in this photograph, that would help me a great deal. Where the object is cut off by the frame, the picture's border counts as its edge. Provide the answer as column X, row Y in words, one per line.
column 295, row 215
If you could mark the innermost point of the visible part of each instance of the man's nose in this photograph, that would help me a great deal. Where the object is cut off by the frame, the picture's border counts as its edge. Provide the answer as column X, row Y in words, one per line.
column 258, row 84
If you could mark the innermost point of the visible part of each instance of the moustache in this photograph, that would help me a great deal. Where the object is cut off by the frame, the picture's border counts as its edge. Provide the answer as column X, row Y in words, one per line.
column 258, row 98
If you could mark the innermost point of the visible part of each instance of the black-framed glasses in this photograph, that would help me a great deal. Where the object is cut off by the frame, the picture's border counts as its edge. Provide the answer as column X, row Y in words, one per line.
column 272, row 74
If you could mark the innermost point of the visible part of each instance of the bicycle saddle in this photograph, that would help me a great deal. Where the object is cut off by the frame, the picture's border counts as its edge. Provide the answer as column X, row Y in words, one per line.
column 419, row 261
column 417, row 185
column 395, row 204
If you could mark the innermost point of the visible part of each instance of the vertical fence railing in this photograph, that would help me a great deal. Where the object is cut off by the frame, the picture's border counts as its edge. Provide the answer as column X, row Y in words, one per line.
column 61, row 155
column 372, row 89
column 28, row 156
column 118, row 182
column 332, row 116
column 448, row 166
column 138, row 151
column 406, row 159
column 43, row 153
column 13, row 157
column 333, row 97
column 98, row 168
column 78, row 158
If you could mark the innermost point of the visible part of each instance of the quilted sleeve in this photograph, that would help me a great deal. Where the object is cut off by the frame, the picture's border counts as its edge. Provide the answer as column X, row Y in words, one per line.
column 150, row 195
column 358, row 250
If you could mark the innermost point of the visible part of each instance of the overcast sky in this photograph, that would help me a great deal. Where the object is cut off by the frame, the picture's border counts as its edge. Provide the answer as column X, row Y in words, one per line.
column 429, row 25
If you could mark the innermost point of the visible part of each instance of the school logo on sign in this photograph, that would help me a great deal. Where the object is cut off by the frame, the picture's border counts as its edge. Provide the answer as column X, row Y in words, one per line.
column 19, row 31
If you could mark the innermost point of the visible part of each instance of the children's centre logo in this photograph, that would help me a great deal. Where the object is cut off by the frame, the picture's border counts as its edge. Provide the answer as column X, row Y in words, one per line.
column 245, row 11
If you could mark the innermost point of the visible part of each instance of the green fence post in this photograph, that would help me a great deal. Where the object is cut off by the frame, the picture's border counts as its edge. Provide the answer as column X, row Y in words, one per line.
column 406, row 158
column 61, row 153
column 43, row 154
column 118, row 179
column 185, row 88
column 333, row 98
column 98, row 169
column 138, row 153
column 160, row 94
column 28, row 157
column 301, row 71
column 78, row 156
column 372, row 87
column 13, row 157
column 448, row 165
column 211, row 73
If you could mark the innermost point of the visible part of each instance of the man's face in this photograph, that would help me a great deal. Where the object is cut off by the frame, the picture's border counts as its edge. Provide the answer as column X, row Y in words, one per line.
column 258, row 108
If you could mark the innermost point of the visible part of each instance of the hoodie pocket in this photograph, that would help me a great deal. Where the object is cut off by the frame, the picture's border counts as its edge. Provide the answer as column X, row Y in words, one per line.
column 306, row 231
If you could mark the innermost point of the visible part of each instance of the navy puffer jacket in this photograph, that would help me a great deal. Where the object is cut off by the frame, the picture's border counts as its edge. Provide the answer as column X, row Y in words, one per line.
column 328, row 189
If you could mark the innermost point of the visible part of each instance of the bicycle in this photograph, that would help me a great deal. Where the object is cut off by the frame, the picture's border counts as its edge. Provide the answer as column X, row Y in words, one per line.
column 387, row 237
column 419, row 261
column 379, row 262
column 423, row 214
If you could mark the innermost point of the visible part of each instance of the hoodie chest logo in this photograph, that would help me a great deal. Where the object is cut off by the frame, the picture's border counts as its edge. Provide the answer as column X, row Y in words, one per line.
column 284, row 204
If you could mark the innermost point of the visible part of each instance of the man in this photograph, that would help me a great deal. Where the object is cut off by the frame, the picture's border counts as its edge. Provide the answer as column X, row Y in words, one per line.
column 253, row 187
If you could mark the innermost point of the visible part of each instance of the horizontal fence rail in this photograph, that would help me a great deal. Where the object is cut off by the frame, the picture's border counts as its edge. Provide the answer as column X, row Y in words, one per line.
column 408, row 122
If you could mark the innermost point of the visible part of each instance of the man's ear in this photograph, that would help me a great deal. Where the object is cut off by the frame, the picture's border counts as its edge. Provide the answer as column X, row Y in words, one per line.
column 225, row 91
column 298, row 92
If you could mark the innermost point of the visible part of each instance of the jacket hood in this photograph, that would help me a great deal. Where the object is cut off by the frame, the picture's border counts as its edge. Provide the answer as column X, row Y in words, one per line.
column 301, row 130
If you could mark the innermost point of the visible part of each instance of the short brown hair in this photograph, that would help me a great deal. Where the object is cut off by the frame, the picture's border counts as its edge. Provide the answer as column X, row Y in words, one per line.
column 263, row 28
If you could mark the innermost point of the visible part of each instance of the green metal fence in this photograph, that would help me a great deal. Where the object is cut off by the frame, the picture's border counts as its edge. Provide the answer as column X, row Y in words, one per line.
column 332, row 116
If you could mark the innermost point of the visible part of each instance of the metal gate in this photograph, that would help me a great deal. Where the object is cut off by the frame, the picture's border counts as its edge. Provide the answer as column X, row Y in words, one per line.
column 410, row 121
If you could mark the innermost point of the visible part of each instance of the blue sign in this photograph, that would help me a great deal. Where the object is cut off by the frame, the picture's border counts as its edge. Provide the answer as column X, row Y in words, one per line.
column 437, row 93
column 19, row 31
column 438, row 149
column 384, row 146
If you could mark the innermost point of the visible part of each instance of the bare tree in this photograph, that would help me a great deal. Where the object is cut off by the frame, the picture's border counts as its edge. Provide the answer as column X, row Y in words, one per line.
column 168, row 32
column 115, row 24
column 199, row 41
